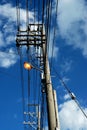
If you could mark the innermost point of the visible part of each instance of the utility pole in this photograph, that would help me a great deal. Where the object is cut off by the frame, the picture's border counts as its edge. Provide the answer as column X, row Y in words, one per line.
column 37, row 38
column 49, row 97
column 48, row 86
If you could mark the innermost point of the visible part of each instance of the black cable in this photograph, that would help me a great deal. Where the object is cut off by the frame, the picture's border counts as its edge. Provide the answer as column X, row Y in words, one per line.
column 38, row 12
column 39, row 85
column 18, row 14
column 28, row 58
column 28, row 75
column 54, row 33
column 28, row 85
column 42, row 111
column 35, row 84
column 50, row 20
column 46, row 26
column 47, row 18
column 80, row 108
column 70, row 93
column 38, row 80
column 27, row 14
column 22, row 86
column 34, row 12
column 43, row 2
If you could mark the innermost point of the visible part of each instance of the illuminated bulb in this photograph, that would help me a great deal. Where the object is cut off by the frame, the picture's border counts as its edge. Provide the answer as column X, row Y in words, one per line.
column 27, row 66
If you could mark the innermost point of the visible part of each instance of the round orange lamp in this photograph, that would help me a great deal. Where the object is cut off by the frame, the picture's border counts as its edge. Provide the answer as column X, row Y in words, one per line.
column 27, row 66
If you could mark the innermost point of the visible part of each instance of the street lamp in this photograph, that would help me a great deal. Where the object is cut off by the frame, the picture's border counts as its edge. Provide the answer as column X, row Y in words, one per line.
column 29, row 66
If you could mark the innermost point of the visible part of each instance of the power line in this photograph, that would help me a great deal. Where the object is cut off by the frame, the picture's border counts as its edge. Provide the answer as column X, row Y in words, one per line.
column 80, row 108
column 43, row 2
column 38, row 11
column 50, row 20
column 34, row 12
column 27, row 14
column 48, row 17
column 70, row 93
column 22, row 87
column 18, row 14
column 28, row 76
column 54, row 33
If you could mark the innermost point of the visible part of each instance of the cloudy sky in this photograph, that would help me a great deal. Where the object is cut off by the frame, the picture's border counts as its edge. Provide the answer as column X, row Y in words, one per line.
column 70, row 60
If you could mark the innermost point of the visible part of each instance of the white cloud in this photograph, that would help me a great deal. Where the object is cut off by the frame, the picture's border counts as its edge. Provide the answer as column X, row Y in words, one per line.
column 10, row 39
column 67, row 96
column 65, row 79
column 72, row 23
column 7, row 11
column 8, row 31
column 8, row 23
column 71, row 118
column 7, row 59
column 66, row 66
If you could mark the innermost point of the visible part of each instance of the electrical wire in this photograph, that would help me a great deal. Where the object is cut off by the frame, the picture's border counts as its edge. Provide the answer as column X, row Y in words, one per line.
column 28, row 81
column 69, row 92
column 80, row 108
column 43, row 11
column 38, row 12
column 28, row 76
column 54, row 34
column 34, row 11
column 42, row 111
column 48, row 4
column 35, row 85
column 28, row 54
column 18, row 14
column 50, row 22
column 22, row 87
column 27, row 14
column 47, row 18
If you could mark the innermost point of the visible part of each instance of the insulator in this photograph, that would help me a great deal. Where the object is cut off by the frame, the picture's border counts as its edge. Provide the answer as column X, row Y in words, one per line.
column 73, row 96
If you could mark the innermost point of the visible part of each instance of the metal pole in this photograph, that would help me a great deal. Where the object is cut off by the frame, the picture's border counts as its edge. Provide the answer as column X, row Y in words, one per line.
column 49, row 90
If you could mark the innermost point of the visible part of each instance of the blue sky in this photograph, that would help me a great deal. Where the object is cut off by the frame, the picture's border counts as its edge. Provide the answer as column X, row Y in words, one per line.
column 70, row 60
